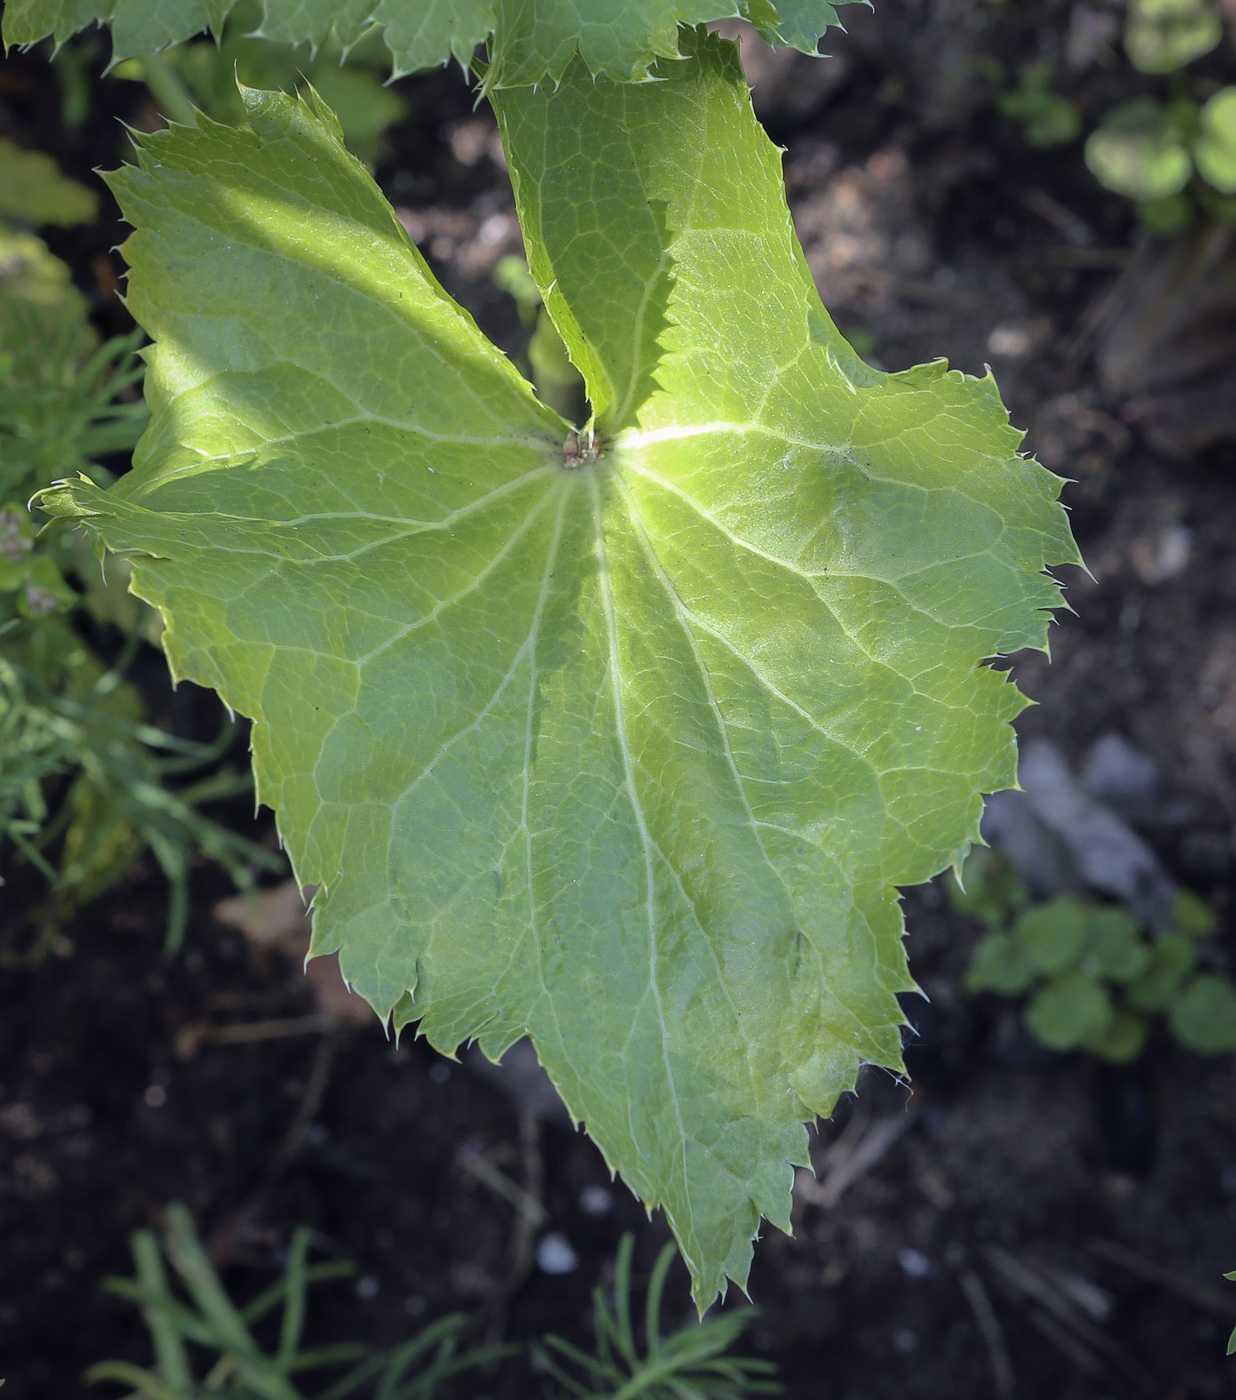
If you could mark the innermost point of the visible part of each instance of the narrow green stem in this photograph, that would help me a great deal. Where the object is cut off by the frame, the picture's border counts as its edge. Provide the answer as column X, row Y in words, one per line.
column 168, row 91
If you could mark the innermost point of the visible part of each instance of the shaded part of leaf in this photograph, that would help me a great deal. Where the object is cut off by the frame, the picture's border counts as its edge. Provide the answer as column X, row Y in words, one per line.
column 800, row 24
column 594, row 232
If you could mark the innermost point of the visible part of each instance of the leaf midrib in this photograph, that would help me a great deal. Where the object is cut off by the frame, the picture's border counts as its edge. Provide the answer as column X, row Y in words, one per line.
column 611, row 622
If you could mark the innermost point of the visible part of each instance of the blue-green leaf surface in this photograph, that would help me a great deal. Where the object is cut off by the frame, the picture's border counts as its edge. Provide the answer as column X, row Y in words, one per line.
column 628, row 754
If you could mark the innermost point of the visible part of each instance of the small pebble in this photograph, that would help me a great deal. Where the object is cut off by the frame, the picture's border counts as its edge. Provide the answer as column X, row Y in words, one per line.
column 596, row 1200
column 904, row 1340
column 914, row 1262
column 155, row 1096
column 414, row 1305
column 367, row 1288
column 440, row 1073
column 554, row 1254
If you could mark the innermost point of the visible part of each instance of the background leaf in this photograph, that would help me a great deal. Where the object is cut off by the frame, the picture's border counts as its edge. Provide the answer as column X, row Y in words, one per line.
column 33, row 187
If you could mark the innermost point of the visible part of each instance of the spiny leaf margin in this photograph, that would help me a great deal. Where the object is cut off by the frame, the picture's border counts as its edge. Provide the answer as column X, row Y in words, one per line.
column 800, row 1035
column 528, row 43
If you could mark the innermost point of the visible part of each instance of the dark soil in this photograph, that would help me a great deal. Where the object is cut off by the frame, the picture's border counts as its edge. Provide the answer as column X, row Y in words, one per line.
column 933, row 230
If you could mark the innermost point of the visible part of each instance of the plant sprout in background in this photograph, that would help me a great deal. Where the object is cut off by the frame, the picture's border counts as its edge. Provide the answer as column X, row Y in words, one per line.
column 190, row 1313
column 1174, row 154
column 206, row 1320
column 1171, row 152
column 1046, row 119
column 1092, row 974
column 87, row 783
column 1162, row 36
column 689, row 1364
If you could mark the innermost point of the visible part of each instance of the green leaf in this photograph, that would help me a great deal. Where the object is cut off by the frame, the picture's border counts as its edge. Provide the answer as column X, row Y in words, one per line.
column 1114, row 945
column 39, row 307
column 1121, row 1040
column 1161, row 36
column 628, row 752
column 1166, row 217
column 33, row 188
column 1071, row 1011
column 1203, row 1015
column 1139, row 151
column 1192, row 915
column 1054, row 935
column 528, row 42
column 1046, row 118
column 988, row 887
column 1214, row 148
column 1000, row 965
column 1171, row 959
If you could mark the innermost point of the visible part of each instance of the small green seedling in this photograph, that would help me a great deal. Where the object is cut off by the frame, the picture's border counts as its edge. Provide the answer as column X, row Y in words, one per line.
column 1231, row 1341
column 1162, row 36
column 1045, row 117
column 211, row 1321
column 689, row 1364
column 1172, row 154
column 1160, row 154
column 1170, row 157
column 1091, row 972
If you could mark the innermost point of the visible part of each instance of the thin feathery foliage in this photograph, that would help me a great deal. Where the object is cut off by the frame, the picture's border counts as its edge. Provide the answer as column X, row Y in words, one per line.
column 687, row 1364
column 86, row 782
column 237, row 1364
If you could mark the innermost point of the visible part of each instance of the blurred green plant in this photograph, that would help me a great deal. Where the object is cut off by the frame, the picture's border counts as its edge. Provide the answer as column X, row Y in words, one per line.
column 36, row 291
column 1171, row 157
column 86, row 784
column 204, row 74
column 33, row 188
column 549, row 367
column 1091, row 973
column 688, row 1364
column 1162, row 36
column 1046, row 118
column 1231, row 1341
column 1173, row 154
column 241, row 1367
